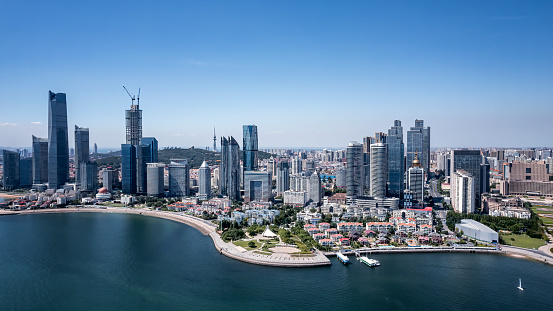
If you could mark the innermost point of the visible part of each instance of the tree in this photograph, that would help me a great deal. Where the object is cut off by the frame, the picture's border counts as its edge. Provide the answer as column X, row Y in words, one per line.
column 251, row 244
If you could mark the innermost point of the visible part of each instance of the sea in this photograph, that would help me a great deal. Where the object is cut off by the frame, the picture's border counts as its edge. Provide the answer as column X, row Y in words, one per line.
column 101, row 261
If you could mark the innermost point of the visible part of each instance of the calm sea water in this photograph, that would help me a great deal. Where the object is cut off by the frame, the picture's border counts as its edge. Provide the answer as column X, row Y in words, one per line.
column 93, row 261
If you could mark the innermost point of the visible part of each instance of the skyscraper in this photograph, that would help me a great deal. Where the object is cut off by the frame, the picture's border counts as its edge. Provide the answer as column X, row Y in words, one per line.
column 257, row 186
column 10, row 169
column 133, row 122
column 230, row 168
column 355, row 171
column 89, row 176
column 95, row 148
column 418, row 140
column 82, row 143
column 143, row 157
column 283, row 177
column 179, row 178
column 58, row 143
column 396, row 164
column 415, row 182
column 155, row 179
column 379, row 170
column 26, row 172
column 469, row 161
column 314, row 189
column 204, row 178
column 463, row 191
column 250, row 148
column 40, row 160
column 128, row 168
column 151, row 142
column 296, row 166
column 214, row 141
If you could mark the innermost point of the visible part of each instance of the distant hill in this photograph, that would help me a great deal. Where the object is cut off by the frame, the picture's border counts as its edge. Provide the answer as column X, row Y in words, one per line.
column 194, row 156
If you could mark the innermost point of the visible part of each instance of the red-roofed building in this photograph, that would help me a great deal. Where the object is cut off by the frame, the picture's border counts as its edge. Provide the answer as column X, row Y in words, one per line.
column 326, row 242
column 344, row 242
column 318, row 236
column 331, row 231
column 323, row 226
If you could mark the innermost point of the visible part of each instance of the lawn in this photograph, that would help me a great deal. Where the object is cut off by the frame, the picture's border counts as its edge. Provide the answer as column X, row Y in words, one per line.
column 244, row 244
column 522, row 240
column 262, row 253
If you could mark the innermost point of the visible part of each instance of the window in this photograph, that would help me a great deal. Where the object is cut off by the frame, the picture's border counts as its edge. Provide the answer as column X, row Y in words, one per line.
column 528, row 170
column 528, row 177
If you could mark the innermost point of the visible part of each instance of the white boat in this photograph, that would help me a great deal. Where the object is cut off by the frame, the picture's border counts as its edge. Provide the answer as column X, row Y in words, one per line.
column 520, row 284
column 369, row 262
column 343, row 258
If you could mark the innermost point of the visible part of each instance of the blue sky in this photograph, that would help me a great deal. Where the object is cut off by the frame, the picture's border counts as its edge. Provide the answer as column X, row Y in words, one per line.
column 307, row 73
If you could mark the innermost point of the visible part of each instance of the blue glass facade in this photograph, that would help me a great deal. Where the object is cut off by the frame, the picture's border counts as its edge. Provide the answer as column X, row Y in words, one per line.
column 128, row 168
column 250, row 148
column 396, row 164
column 58, row 143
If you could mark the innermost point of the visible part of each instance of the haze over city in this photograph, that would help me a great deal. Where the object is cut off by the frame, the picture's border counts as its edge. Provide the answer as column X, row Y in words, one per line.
column 478, row 74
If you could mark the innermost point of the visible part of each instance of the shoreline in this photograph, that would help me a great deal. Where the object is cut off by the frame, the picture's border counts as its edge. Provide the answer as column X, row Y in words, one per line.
column 319, row 259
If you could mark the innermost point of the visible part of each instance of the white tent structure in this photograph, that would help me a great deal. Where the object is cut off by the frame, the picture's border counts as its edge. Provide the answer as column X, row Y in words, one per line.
column 269, row 234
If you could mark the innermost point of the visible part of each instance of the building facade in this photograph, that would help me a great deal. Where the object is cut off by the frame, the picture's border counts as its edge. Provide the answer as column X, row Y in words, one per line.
column 230, row 168
column 179, row 178
column 250, row 148
column 379, row 170
column 355, row 171
column 418, row 141
column 283, row 177
column 155, row 179
column 82, row 143
column 463, row 192
column 40, row 160
column 58, row 141
column 10, row 169
column 204, row 178
column 469, row 161
column 257, row 186
column 396, row 164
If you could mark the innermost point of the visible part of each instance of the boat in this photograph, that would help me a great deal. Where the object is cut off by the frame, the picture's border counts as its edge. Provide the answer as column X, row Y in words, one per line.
column 343, row 258
column 369, row 262
column 520, row 284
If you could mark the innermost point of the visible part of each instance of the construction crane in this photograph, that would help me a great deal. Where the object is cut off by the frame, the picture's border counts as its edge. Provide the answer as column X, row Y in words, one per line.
column 131, row 96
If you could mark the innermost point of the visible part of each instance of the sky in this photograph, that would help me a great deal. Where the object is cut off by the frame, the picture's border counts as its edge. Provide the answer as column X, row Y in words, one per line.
column 307, row 73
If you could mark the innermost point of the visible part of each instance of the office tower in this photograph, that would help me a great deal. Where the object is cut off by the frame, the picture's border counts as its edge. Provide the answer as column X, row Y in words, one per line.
column 469, row 161
column 214, row 141
column 314, row 189
column 89, row 176
column 95, row 148
column 133, row 124
column 442, row 163
column 341, row 178
column 155, row 179
column 58, row 143
column 143, row 157
column 230, row 168
column 309, row 166
column 415, row 182
column 179, row 178
column 82, row 143
column 151, row 142
column 26, row 172
column 40, row 160
column 463, row 191
column 271, row 167
column 250, row 148
column 355, row 172
column 396, row 168
column 484, row 178
column 128, row 168
column 10, row 169
column 418, row 140
column 283, row 177
column 382, row 137
column 257, row 186
column 109, row 179
column 299, row 182
column 296, row 166
column 204, row 178
column 379, row 170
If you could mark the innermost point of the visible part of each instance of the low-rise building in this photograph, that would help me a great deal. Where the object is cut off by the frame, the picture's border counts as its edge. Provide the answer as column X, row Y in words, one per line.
column 476, row 230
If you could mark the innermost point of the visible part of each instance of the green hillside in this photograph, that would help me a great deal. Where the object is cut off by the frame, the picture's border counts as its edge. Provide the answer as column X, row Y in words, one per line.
column 194, row 156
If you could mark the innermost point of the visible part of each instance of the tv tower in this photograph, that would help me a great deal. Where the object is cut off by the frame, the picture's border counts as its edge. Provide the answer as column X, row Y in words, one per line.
column 214, row 141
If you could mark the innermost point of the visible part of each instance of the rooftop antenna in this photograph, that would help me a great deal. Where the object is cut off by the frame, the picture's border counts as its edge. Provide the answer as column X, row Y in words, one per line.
column 131, row 96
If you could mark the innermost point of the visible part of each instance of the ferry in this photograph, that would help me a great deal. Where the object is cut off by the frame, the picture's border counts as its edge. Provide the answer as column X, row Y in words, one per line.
column 369, row 262
column 343, row 258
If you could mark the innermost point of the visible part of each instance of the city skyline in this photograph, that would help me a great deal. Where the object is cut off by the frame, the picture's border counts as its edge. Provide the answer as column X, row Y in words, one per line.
column 345, row 71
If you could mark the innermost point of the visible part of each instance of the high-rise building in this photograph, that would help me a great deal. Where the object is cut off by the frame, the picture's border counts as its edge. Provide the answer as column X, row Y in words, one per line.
column 58, row 143
column 155, row 179
column 271, row 167
column 314, row 189
column 396, row 166
column 133, row 125
column 463, row 191
column 355, row 172
column 214, row 141
column 296, row 166
column 415, row 182
column 151, row 142
column 341, row 178
column 26, row 172
column 89, row 176
column 204, row 178
column 40, row 160
column 379, row 170
column 128, row 168
column 469, row 161
column 95, row 148
column 179, row 178
column 230, row 168
column 418, row 141
column 10, row 169
column 82, row 143
column 109, row 179
column 283, row 177
column 257, row 186
column 143, row 157
column 484, row 178
column 250, row 148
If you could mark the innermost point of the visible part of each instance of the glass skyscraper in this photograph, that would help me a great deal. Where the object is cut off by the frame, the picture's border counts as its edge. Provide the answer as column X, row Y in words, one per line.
column 230, row 168
column 82, row 144
column 128, row 168
column 133, row 122
column 10, row 169
column 396, row 164
column 40, row 160
column 151, row 142
column 418, row 141
column 468, row 161
column 58, row 144
column 355, row 170
column 250, row 148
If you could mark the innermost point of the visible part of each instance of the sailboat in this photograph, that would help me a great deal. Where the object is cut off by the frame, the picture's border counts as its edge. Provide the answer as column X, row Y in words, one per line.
column 520, row 284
